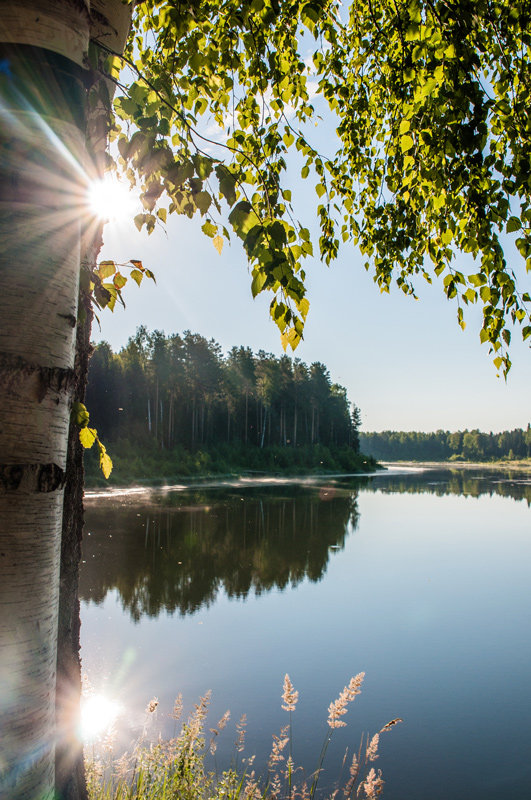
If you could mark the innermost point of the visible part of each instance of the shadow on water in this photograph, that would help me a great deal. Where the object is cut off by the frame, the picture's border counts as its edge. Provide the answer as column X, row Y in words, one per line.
column 171, row 552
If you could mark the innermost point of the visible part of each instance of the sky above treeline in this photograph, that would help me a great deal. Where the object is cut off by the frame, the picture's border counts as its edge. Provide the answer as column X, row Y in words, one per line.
column 405, row 363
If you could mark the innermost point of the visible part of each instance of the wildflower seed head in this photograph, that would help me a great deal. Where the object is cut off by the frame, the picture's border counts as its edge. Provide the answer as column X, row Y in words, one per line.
column 152, row 705
column 338, row 708
column 240, row 728
column 371, row 753
column 178, row 707
column 391, row 724
column 223, row 721
column 372, row 785
column 289, row 695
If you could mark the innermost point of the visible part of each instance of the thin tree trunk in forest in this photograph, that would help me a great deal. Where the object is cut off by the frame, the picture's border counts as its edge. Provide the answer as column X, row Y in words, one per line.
column 157, row 411
column 246, row 413
column 295, row 426
column 263, row 428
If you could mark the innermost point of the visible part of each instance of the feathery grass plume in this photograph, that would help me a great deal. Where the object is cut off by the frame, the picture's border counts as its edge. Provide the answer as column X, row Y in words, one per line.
column 215, row 731
column 353, row 774
column 178, row 707
column 279, row 743
column 371, row 753
column 289, row 695
column 338, row 708
column 372, row 785
column 240, row 728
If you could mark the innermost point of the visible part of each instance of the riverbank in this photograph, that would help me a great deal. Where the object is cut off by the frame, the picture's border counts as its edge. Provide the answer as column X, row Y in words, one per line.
column 151, row 466
column 521, row 465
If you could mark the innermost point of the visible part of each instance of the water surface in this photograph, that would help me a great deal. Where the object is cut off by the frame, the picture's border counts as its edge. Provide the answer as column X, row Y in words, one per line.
column 419, row 578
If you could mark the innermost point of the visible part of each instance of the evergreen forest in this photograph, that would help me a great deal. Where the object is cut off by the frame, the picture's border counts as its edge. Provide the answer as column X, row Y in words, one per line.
column 442, row 445
column 176, row 405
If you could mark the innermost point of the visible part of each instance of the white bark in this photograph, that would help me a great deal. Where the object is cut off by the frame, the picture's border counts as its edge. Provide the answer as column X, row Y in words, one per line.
column 43, row 176
column 39, row 270
column 42, row 182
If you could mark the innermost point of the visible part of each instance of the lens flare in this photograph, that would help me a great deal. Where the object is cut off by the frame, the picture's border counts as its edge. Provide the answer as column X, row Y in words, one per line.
column 111, row 200
column 98, row 713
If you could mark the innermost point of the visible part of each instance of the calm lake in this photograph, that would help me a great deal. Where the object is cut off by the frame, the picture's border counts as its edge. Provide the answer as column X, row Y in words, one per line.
column 421, row 579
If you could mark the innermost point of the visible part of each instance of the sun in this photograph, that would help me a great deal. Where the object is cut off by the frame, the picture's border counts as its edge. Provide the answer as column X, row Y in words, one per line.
column 98, row 713
column 111, row 199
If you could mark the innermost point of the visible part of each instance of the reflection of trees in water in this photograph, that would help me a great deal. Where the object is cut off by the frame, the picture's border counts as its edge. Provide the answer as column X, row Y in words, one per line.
column 177, row 552
column 470, row 483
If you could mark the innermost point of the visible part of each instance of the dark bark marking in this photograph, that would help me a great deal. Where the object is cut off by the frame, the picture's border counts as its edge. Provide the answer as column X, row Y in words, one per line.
column 39, row 478
column 13, row 369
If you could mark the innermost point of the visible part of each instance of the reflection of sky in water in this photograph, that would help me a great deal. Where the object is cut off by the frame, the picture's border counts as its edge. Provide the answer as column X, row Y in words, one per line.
column 429, row 596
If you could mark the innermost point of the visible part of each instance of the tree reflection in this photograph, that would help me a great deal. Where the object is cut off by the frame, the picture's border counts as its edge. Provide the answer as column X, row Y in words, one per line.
column 178, row 551
column 466, row 482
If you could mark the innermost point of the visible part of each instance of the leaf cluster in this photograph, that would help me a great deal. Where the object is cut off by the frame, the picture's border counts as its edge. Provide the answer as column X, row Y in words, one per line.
column 432, row 170
column 235, row 69
column 89, row 436
column 103, row 283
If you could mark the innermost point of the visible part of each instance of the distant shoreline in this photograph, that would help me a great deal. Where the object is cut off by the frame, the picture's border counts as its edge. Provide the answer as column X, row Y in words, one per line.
column 522, row 465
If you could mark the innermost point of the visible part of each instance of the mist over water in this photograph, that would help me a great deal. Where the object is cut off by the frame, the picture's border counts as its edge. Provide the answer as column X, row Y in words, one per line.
column 418, row 578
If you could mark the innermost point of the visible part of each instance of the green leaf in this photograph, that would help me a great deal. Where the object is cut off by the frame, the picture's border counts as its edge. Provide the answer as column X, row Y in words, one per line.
column 79, row 414
column 406, row 143
column 137, row 276
column 227, row 184
column 119, row 280
column 203, row 165
column 203, row 201
column 243, row 218
column 209, row 229
column 106, row 269
column 259, row 279
column 513, row 224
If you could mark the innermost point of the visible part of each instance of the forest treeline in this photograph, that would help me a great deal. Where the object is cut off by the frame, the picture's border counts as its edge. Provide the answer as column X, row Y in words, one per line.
column 442, row 445
column 180, row 392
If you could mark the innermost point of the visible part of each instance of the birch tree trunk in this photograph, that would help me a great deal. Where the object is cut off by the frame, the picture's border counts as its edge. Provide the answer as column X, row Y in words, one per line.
column 43, row 178
column 41, row 174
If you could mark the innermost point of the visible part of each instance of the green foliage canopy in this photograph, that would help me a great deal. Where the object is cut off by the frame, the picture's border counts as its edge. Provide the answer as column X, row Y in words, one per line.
column 433, row 163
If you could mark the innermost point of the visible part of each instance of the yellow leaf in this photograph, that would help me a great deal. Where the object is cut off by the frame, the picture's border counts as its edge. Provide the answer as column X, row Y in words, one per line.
column 217, row 241
column 87, row 437
column 105, row 464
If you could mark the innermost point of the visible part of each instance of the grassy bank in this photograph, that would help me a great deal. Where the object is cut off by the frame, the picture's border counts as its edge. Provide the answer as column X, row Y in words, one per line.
column 147, row 463
column 176, row 769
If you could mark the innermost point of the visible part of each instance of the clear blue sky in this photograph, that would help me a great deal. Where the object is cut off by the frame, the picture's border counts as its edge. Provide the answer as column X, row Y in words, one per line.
column 406, row 364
